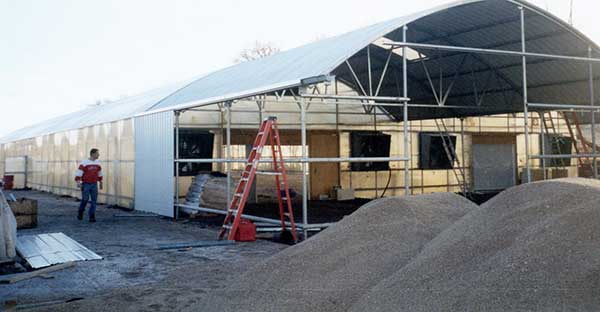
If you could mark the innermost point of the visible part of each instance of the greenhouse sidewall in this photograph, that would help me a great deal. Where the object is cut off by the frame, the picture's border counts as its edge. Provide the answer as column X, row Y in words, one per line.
column 53, row 159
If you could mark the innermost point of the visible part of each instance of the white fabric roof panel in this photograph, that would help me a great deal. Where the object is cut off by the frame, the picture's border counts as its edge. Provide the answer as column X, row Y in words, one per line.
column 474, row 23
column 279, row 71
column 94, row 115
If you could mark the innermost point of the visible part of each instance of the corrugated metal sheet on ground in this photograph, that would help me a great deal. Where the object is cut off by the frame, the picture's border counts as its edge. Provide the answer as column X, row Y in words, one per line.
column 47, row 249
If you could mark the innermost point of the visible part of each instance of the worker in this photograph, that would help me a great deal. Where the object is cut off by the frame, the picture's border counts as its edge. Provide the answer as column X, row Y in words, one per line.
column 88, row 176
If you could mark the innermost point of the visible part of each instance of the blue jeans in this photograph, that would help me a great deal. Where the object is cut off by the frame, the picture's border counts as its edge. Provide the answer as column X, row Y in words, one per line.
column 89, row 190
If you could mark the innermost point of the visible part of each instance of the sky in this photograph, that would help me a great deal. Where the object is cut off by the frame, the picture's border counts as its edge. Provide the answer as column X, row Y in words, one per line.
column 59, row 56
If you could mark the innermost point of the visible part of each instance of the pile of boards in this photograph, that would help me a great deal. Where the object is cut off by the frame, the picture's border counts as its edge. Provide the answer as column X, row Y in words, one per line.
column 533, row 247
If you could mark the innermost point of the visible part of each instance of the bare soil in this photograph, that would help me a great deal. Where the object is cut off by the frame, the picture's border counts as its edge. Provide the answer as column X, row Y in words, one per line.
column 133, row 275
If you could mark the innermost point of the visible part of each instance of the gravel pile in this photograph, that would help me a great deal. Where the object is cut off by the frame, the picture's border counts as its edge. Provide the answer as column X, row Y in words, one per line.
column 332, row 270
column 535, row 247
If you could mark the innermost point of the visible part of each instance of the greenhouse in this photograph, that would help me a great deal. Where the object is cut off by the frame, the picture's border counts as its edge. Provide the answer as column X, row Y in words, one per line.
column 475, row 96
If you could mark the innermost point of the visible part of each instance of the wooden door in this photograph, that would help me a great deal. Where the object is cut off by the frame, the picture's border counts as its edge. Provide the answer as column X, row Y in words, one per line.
column 323, row 176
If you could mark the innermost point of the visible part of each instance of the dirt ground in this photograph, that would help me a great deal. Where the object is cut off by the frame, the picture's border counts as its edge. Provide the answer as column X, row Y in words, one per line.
column 133, row 275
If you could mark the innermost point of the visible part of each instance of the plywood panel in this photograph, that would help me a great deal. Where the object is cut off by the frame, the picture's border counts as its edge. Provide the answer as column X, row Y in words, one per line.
column 323, row 176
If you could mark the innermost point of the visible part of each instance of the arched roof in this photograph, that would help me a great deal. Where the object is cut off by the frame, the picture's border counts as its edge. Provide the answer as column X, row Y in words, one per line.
column 470, row 23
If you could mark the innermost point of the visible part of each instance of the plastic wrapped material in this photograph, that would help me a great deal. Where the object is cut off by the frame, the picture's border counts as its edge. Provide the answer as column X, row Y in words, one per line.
column 8, row 230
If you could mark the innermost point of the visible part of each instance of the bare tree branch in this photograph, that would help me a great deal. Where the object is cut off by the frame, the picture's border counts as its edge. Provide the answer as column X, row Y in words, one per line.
column 259, row 50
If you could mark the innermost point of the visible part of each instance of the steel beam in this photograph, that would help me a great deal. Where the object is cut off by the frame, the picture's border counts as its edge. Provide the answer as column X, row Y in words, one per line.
column 228, row 152
column 556, row 156
column 293, row 160
column 564, row 106
column 482, row 61
column 491, row 51
column 304, row 165
column 525, row 99
column 405, row 114
column 551, row 34
column 385, row 67
column 543, row 143
column 358, row 98
column 177, row 115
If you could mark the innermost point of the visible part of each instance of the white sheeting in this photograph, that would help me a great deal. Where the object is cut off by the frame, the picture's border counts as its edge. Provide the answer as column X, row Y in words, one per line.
column 48, row 249
column 8, row 230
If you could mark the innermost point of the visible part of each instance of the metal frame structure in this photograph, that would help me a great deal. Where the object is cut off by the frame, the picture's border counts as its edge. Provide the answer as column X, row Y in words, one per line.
column 526, row 104
column 372, row 101
column 483, row 42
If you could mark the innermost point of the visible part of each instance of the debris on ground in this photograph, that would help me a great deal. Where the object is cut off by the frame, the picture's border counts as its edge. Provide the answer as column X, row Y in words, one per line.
column 42, row 273
column 44, row 250
column 197, row 244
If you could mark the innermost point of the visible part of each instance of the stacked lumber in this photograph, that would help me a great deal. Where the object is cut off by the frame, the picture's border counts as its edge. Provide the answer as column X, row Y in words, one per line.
column 25, row 211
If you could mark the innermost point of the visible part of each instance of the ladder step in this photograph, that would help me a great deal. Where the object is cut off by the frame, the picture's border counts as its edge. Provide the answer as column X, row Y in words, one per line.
column 238, row 195
column 273, row 173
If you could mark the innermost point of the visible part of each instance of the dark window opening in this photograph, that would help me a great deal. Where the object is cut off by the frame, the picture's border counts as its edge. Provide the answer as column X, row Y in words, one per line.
column 558, row 145
column 433, row 155
column 195, row 144
column 370, row 144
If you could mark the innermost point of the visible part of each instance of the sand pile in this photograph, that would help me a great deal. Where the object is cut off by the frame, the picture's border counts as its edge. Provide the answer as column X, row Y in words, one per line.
column 533, row 247
column 330, row 271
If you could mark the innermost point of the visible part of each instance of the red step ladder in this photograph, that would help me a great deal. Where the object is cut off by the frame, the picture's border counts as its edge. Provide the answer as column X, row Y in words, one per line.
column 268, row 130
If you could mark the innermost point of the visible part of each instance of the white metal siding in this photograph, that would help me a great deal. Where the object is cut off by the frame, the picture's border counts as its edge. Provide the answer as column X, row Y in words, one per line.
column 154, row 163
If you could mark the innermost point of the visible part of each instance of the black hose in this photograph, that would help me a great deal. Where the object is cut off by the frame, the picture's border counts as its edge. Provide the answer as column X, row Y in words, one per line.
column 388, row 182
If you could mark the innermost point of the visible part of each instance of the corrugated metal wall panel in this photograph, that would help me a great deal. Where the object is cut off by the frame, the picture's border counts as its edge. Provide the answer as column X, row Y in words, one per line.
column 154, row 146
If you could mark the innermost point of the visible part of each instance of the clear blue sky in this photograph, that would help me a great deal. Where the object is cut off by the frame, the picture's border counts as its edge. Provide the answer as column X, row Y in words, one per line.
column 57, row 56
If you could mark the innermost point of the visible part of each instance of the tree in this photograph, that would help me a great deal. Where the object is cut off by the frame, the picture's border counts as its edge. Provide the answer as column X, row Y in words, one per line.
column 259, row 50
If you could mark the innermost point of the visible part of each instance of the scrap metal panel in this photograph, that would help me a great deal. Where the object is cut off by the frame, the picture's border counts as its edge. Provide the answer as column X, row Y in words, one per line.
column 154, row 148
column 48, row 249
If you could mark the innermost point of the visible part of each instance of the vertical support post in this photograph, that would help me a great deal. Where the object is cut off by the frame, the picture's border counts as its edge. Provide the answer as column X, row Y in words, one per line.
column 228, row 152
column 525, row 98
column 376, row 172
column 177, row 114
column 462, row 151
column 592, row 103
column 543, row 143
column 373, row 108
column 304, row 167
column 339, row 135
column 260, row 111
column 369, row 71
column 26, row 170
column 405, row 112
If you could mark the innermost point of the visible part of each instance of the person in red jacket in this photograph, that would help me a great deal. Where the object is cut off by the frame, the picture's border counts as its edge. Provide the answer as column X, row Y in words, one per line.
column 88, row 176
